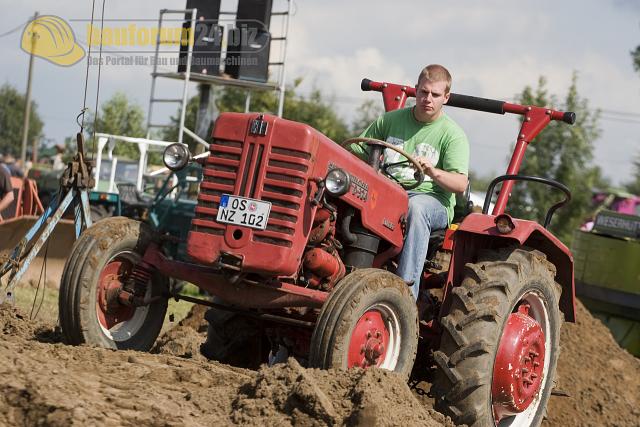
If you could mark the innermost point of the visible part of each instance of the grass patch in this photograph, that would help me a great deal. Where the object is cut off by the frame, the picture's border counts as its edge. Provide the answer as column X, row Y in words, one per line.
column 46, row 299
column 40, row 304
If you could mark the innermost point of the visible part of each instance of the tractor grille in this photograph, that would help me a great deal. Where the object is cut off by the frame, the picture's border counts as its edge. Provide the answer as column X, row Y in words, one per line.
column 269, row 173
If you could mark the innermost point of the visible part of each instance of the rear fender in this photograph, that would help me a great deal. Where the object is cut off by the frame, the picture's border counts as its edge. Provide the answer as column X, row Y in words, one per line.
column 479, row 231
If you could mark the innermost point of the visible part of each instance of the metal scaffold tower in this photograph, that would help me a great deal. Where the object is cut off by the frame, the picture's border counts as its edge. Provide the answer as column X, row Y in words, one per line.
column 278, row 64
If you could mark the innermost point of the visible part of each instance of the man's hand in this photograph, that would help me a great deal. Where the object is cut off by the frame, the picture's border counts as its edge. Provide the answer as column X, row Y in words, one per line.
column 451, row 181
column 427, row 166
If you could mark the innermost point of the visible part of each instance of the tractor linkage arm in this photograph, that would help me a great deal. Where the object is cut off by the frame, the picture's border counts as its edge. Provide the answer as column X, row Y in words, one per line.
column 76, row 180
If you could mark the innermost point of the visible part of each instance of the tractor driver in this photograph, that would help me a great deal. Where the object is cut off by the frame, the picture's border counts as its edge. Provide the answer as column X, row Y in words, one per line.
column 441, row 147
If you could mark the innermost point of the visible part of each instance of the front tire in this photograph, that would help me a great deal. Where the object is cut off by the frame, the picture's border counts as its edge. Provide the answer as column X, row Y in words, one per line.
column 369, row 320
column 101, row 260
column 500, row 342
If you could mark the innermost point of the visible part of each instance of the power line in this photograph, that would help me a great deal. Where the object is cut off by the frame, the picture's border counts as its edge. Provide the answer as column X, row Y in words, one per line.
column 623, row 113
column 14, row 30
column 621, row 119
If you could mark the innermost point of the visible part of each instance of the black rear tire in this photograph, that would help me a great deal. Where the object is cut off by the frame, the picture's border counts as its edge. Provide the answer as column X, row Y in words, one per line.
column 233, row 339
column 370, row 319
column 113, row 245
column 493, row 291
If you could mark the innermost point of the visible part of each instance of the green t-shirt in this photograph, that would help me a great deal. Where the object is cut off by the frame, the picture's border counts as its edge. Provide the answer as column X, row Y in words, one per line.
column 443, row 142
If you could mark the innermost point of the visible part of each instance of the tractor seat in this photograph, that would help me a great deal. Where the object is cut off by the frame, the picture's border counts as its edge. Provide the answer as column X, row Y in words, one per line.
column 464, row 206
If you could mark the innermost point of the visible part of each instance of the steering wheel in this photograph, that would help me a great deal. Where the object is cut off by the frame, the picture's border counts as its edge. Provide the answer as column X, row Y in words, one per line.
column 418, row 176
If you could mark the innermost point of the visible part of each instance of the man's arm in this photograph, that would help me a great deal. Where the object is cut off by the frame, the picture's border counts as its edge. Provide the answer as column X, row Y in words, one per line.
column 454, row 182
column 374, row 130
column 6, row 200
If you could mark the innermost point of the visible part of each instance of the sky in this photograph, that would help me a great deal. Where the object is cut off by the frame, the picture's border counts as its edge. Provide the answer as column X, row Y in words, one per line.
column 492, row 48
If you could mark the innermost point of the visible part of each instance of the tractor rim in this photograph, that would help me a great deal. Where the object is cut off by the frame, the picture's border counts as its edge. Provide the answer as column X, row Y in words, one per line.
column 521, row 367
column 375, row 340
column 118, row 322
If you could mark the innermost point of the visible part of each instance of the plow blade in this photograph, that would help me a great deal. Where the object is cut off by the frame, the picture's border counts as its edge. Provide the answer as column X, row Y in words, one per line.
column 57, row 247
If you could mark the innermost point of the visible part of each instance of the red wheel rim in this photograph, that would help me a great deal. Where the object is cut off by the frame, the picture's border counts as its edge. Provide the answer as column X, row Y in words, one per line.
column 518, row 372
column 370, row 341
column 110, row 311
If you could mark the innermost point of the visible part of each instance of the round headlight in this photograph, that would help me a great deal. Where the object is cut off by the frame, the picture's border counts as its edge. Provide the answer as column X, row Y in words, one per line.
column 176, row 156
column 337, row 182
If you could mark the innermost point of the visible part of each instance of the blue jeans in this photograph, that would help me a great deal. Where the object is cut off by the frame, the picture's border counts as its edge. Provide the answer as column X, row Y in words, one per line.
column 426, row 213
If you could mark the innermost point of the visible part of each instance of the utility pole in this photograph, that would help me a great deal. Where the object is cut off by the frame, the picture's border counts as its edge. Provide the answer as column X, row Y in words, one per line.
column 27, row 108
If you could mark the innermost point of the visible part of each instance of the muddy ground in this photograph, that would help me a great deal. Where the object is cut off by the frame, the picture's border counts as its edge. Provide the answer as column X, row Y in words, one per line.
column 45, row 382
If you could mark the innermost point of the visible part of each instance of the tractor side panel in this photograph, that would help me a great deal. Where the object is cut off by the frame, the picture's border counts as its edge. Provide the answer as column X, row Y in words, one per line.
column 479, row 232
column 382, row 203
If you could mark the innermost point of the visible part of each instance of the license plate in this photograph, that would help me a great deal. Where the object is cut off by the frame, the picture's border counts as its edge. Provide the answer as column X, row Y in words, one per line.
column 243, row 211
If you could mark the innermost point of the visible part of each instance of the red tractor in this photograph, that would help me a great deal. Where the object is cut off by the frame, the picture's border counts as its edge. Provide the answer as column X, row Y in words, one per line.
column 295, row 237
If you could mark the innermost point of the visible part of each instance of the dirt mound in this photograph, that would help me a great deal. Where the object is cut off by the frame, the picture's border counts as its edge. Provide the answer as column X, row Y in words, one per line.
column 15, row 323
column 44, row 382
column 291, row 395
column 602, row 380
column 60, row 385
column 184, row 339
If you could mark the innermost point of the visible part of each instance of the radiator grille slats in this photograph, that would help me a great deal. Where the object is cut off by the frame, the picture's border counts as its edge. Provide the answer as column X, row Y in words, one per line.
column 219, row 177
column 269, row 173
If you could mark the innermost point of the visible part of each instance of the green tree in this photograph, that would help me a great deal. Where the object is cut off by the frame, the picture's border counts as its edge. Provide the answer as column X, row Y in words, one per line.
column 480, row 183
column 314, row 109
column 12, row 105
column 367, row 112
column 119, row 116
column 563, row 153
column 171, row 133
column 633, row 186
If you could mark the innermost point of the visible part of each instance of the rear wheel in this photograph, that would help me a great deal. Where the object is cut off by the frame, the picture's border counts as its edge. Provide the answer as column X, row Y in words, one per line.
column 233, row 339
column 500, row 341
column 369, row 320
column 102, row 261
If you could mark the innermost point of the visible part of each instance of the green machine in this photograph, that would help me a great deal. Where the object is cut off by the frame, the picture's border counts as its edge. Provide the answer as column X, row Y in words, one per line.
column 163, row 199
column 606, row 253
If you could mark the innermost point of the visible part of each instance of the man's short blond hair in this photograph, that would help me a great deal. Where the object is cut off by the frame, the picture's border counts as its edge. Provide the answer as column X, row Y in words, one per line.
column 436, row 73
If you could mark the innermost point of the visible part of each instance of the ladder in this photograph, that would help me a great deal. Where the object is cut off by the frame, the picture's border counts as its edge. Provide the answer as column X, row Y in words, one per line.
column 187, row 76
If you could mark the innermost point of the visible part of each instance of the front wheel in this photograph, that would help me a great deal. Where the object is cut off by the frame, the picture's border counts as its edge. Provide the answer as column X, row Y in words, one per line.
column 369, row 320
column 102, row 262
column 500, row 342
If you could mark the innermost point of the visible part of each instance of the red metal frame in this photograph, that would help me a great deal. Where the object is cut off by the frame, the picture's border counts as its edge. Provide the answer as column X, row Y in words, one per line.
column 468, row 238
column 276, row 294
column 26, row 201
column 535, row 119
